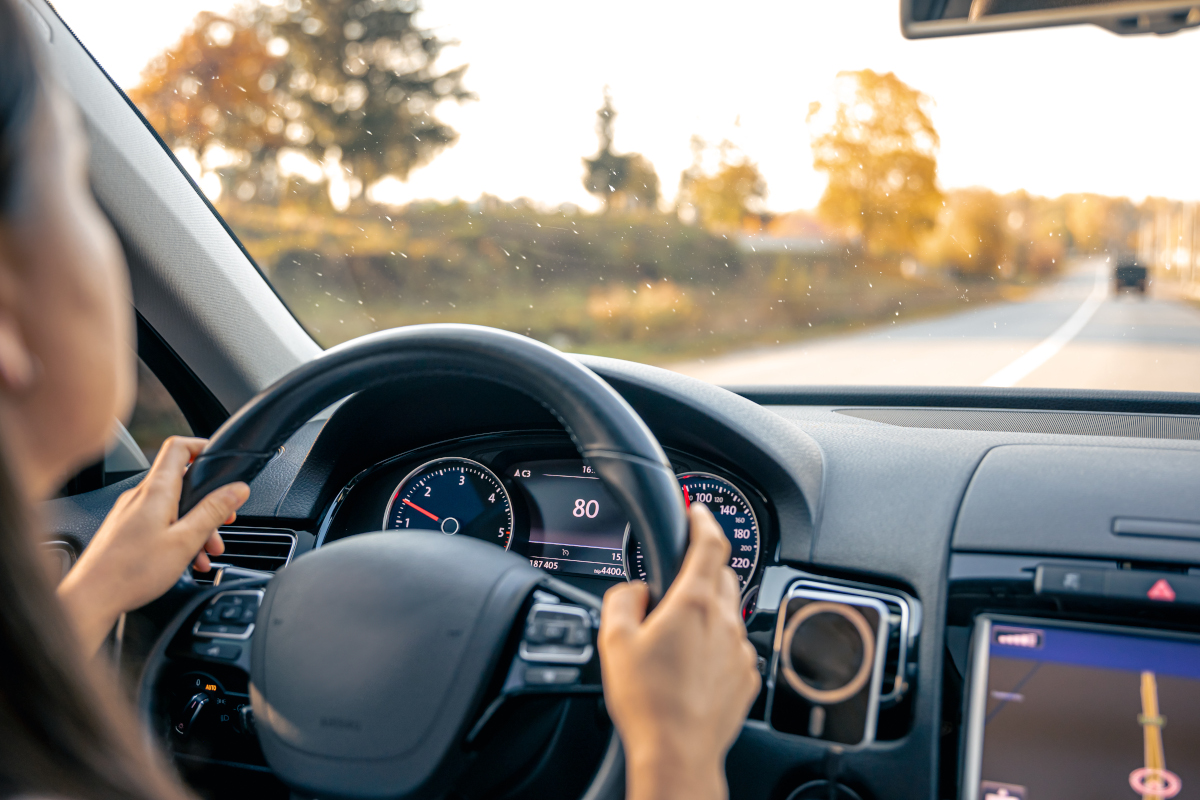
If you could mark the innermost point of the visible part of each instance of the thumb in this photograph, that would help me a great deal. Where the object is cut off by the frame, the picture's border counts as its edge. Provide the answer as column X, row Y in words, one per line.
column 198, row 524
column 623, row 610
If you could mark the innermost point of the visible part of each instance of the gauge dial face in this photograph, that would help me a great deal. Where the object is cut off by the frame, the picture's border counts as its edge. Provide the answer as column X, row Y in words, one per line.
column 734, row 514
column 456, row 496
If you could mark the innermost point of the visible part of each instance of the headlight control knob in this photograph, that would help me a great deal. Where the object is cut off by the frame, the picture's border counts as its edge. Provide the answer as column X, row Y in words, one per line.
column 191, row 713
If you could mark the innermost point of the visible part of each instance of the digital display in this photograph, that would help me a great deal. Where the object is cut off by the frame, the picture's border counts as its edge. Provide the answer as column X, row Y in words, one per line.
column 575, row 526
column 1062, row 711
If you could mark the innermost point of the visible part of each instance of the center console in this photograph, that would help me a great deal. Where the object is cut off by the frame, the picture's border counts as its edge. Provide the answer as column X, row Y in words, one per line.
column 1061, row 677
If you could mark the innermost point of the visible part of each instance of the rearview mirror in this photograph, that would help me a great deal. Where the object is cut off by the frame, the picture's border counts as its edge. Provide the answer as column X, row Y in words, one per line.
column 922, row 19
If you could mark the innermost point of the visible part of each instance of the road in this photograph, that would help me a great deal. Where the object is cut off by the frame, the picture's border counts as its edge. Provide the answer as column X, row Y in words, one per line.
column 1072, row 334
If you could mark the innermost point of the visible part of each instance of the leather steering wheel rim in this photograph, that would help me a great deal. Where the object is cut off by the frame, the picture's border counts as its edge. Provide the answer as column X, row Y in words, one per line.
column 604, row 428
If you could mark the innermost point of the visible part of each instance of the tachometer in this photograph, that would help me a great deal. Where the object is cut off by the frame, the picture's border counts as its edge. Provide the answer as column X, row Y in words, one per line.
column 734, row 514
column 456, row 496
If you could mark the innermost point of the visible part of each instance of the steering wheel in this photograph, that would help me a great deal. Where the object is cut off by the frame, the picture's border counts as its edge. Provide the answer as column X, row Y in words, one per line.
column 370, row 659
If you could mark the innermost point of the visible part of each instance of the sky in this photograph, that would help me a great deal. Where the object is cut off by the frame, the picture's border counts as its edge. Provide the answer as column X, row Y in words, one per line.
column 1051, row 111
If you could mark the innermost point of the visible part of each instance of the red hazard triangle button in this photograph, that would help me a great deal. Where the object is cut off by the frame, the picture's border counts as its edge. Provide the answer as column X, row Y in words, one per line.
column 1161, row 590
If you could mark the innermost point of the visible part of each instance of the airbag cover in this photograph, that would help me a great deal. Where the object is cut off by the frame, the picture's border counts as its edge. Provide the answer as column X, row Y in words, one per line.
column 373, row 651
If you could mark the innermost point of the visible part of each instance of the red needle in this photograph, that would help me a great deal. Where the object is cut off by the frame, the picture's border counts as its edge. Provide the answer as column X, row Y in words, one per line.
column 687, row 498
column 411, row 504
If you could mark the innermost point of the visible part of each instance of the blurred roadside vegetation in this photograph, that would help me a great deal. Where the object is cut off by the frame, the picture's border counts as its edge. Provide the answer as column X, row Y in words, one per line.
column 646, row 286
column 288, row 111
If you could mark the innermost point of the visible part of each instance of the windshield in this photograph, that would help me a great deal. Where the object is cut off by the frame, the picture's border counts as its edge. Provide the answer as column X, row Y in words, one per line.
column 754, row 193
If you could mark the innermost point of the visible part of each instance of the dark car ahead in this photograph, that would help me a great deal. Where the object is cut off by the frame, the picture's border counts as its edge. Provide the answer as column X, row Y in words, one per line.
column 1129, row 274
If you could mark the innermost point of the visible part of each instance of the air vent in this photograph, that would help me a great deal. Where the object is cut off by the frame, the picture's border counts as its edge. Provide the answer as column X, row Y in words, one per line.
column 261, row 549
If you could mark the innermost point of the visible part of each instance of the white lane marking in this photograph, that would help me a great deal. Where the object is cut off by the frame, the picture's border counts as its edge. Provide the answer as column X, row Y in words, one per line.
column 1048, row 347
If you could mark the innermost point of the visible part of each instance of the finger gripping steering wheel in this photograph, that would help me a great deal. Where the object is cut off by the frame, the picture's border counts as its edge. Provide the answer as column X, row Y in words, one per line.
column 370, row 656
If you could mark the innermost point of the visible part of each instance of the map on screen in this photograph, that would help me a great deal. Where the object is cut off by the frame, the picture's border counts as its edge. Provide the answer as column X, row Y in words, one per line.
column 1074, row 713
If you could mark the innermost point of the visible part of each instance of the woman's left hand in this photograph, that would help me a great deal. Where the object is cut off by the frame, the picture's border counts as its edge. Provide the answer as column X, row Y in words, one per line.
column 143, row 546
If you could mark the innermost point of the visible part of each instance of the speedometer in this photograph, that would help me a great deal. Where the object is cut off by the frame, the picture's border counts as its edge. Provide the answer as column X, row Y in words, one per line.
column 734, row 514
column 456, row 496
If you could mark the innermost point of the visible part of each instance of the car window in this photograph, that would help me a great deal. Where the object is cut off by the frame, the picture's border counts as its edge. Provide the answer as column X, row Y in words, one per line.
column 156, row 416
column 748, row 193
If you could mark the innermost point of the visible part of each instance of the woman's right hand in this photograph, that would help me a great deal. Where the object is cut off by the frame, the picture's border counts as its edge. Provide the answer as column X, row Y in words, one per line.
column 679, row 682
column 143, row 546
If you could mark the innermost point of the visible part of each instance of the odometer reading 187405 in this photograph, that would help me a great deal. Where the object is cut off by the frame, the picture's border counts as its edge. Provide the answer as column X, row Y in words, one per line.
column 454, row 496
column 733, row 513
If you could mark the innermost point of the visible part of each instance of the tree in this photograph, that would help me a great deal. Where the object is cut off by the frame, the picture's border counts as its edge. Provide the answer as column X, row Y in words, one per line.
column 973, row 235
column 624, row 182
column 880, row 156
column 724, row 199
column 352, row 83
column 1098, row 223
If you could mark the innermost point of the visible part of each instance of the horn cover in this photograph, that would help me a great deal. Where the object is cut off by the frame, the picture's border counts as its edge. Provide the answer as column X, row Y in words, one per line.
column 370, row 657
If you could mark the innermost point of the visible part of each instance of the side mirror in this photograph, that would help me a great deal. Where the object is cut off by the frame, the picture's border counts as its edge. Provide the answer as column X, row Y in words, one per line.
column 923, row 19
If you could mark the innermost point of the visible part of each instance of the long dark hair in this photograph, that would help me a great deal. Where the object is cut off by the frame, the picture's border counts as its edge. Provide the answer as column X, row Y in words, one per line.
column 65, row 731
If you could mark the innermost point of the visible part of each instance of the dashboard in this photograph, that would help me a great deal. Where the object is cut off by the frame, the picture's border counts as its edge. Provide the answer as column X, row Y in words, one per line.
column 936, row 545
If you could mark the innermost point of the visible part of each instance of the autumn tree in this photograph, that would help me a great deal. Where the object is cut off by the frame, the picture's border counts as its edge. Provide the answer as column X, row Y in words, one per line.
column 1098, row 223
column 723, row 198
column 625, row 182
column 353, row 82
column 972, row 235
column 880, row 156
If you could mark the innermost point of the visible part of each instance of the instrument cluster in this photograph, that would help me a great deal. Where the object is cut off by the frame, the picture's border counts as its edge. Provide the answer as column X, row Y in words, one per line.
column 540, row 500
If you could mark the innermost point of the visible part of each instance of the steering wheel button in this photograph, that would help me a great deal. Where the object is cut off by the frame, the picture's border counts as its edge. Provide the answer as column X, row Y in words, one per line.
column 220, row 650
column 551, row 676
column 230, row 613
column 578, row 635
column 209, row 629
column 554, row 632
column 557, row 633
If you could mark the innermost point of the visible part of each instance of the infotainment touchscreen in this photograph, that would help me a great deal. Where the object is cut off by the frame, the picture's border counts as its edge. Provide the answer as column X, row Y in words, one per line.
column 1062, row 711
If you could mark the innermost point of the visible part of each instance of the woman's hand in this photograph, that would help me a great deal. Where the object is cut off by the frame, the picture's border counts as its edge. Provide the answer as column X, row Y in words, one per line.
column 679, row 682
column 143, row 547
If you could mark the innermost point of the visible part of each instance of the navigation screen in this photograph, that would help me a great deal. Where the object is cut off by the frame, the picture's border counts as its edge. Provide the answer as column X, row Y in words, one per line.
column 575, row 526
column 1081, row 713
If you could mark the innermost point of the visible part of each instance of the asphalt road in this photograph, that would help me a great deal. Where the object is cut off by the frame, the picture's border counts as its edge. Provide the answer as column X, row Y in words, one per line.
column 1073, row 334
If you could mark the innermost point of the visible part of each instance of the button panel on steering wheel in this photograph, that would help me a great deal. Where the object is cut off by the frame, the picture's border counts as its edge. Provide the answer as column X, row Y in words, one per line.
column 556, row 633
column 229, row 615
column 557, row 650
